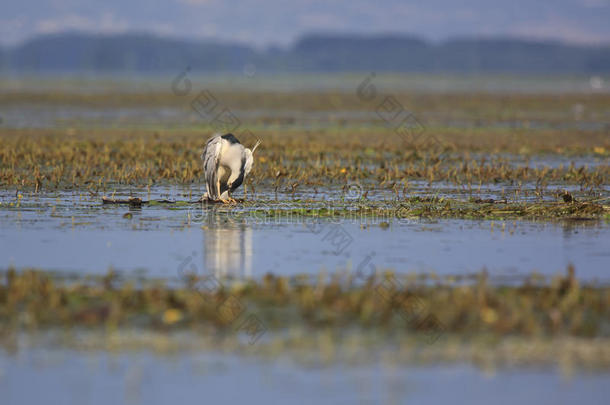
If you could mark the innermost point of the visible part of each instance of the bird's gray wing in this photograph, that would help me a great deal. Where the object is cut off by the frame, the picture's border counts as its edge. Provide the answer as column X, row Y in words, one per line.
column 211, row 157
column 249, row 160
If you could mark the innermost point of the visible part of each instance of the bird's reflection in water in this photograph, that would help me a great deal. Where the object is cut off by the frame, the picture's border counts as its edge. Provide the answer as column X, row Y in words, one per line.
column 227, row 251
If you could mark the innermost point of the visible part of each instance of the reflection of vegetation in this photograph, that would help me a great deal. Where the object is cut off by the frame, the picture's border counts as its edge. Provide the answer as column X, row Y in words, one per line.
column 536, row 320
column 463, row 304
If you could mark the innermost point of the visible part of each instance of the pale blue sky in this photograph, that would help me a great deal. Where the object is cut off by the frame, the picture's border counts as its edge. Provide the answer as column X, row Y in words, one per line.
column 280, row 22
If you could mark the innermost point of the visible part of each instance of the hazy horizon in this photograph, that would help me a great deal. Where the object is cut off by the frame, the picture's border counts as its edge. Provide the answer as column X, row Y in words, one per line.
column 304, row 35
column 275, row 23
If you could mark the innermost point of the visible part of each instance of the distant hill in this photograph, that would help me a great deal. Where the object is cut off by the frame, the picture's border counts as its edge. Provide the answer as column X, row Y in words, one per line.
column 129, row 52
column 312, row 53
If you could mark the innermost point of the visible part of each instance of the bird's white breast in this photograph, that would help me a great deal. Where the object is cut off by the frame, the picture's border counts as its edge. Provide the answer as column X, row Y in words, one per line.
column 231, row 156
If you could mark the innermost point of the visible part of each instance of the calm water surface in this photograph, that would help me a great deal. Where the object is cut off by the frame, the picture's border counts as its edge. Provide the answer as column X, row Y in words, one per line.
column 72, row 233
column 70, row 377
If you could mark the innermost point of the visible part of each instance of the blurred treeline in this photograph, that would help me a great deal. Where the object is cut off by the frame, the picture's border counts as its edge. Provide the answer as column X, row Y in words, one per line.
column 312, row 53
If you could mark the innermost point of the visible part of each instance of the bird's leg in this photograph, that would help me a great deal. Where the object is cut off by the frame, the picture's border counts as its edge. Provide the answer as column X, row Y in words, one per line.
column 229, row 199
column 218, row 191
column 224, row 200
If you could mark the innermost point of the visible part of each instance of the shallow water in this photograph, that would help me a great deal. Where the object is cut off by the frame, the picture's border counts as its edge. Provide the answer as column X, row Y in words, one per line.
column 72, row 377
column 31, row 115
column 71, row 232
column 492, row 83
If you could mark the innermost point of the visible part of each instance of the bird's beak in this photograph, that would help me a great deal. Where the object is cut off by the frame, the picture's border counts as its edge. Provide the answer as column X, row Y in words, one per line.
column 258, row 142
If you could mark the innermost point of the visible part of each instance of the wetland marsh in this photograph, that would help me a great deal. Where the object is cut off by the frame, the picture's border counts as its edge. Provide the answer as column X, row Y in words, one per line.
column 489, row 214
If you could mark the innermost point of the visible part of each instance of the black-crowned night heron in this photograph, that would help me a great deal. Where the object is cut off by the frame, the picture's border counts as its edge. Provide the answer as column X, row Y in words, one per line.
column 226, row 163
